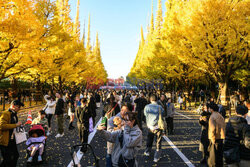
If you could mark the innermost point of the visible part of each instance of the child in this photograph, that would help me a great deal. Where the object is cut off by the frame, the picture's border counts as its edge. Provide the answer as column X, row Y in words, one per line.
column 34, row 147
column 41, row 120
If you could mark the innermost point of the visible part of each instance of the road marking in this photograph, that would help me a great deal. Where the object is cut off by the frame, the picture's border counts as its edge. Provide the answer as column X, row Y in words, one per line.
column 79, row 155
column 183, row 157
column 182, row 115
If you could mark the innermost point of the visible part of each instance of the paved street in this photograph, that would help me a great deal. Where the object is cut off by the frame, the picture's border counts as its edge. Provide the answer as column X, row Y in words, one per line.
column 185, row 138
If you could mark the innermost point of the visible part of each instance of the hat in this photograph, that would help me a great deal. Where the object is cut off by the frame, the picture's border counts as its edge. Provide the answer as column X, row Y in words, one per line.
column 17, row 103
column 242, row 110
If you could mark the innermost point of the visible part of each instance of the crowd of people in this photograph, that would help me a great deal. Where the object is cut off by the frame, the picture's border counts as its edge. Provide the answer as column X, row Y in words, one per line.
column 224, row 140
column 126, row 115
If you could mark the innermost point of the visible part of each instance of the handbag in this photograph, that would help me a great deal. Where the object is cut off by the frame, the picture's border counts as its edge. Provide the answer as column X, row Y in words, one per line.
column 232, row 155
column 91, row 125
column 20, row 135
column 161, row 122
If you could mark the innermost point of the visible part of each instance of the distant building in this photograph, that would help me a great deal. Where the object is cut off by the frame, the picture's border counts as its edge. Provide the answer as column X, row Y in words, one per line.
column 115, row 82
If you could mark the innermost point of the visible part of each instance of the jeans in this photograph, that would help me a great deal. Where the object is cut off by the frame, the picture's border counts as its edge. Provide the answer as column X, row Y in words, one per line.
column 108, row 160
column 150, row 139
column 10, row 154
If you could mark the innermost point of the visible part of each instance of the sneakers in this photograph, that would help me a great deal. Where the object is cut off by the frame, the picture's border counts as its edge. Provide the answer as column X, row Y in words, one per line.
column 146, row 154
column 59, row 135
column 39, row 159
column 47, row 134
column 157, row 155
column 30, row 159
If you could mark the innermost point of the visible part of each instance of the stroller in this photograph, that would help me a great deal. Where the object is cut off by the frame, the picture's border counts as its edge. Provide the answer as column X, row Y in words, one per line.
column 74, row 155
column 39, row 130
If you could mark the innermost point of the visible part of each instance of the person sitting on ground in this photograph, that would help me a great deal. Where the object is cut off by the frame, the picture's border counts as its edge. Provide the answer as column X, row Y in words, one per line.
column 41, row 120
column 127, row 142
column 38, row 145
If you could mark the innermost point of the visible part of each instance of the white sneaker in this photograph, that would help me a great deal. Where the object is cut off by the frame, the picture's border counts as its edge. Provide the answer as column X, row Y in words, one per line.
column 156, row 159
column 146, row 154
column 39, row 159
column 47, row 134
column 58, row 135
column 30, row 159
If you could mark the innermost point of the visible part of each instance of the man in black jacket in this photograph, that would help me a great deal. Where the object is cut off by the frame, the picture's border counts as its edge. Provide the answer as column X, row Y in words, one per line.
column 204, row 143
column 59, row 115
column 236, row 151
column 141, row 102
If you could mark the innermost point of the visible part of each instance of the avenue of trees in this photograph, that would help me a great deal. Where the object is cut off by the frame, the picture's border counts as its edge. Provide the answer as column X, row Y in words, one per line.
column 40, row 43
column 196, row 42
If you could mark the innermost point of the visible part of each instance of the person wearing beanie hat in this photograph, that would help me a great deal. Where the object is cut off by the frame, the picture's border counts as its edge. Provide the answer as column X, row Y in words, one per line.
column 235, row 134
column 216, row 134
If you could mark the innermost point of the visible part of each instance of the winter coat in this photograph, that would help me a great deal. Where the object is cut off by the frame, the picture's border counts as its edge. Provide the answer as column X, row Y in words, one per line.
column 235, row 129
column 59, row 107
column 140, row 104
column 50, row 106
column 204, row 130
column 82, row 116
column 131, row 143
column 170, row 110
column 6, row 127
column 216, row 127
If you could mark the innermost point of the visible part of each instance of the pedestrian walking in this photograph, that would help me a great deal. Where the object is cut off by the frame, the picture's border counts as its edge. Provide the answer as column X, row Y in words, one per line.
column 82, row 116
column 49, row 110
column 140, row 102
column 8, row 122
column 152, row 112
column 59, row 115
column 170, row 116
column 216, row 135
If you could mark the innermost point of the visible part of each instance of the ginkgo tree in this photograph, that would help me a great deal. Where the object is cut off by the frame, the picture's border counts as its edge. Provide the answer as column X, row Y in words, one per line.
column 196, row 41
column 44, row 45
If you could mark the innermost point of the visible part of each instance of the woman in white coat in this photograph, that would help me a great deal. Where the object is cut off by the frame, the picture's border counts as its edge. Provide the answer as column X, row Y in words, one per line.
column 49, row 110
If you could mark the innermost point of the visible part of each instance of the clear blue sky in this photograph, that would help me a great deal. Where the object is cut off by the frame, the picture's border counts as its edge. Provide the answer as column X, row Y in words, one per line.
column 118, row 24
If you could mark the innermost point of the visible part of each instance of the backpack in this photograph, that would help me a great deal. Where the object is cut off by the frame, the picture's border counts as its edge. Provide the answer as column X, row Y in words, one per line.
column 246, row 137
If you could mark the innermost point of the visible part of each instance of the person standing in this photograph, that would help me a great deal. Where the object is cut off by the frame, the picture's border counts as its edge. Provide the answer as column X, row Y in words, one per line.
column 126, row 142
column 140, row 102
column 82, row 116
column 8, row 122
column 49, row 110
column 126, row 108
column 92, row 107
column 59, row 115
column 170, row 117
column 216, row 135
column 152, row 112
column 204, row 141
column 236, row 129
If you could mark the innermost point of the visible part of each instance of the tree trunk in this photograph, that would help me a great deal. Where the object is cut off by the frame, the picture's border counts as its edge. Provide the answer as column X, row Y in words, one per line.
column 223, row 93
